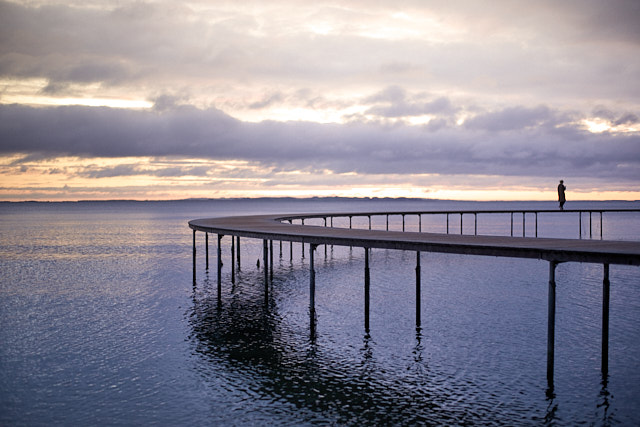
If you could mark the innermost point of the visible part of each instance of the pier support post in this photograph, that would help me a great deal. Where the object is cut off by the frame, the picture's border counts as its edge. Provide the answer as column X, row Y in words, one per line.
column 605, row 322
column 219, row 268
column 238, row 251
column 312, row 287
column 325, row 245
column 271, row 259
column 265, row 261
column 551, row 322
column 233, row 259
column 418, row 283
column 291, row 246
column 366, row 289
column 194, row 258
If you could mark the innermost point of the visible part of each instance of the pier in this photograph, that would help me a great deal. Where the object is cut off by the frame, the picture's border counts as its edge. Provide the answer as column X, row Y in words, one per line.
column 270, row 228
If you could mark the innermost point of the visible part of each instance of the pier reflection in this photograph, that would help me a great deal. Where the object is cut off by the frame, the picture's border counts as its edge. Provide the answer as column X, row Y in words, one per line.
column 241, row 336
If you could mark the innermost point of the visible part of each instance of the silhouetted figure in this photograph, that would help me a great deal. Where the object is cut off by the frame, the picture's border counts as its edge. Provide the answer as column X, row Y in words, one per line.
column 561, row 197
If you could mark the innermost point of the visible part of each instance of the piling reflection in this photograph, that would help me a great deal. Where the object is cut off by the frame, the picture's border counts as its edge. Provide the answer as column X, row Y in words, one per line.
column 243, row 336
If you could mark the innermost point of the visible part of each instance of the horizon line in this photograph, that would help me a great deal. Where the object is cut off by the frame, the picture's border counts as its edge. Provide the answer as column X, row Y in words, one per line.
column 203, row 199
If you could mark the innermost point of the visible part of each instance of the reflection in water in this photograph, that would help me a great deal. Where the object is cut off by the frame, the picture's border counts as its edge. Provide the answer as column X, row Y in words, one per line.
column 251, row 339
column 605, row 396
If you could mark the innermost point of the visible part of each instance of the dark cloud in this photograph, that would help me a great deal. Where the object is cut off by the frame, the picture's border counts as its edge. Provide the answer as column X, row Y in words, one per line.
column 521, row 149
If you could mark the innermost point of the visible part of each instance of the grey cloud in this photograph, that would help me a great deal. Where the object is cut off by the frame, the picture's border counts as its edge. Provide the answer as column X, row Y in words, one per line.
column 267, row 101
column 54, row 88
column 94, row 171
column 616, row 119
column 627, row 119
column 395, row 101
column 108, row 172
column 512, row 118
column 356, row 147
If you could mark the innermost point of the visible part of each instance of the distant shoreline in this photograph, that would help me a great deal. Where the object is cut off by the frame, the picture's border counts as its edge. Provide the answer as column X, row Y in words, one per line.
column 300, row 199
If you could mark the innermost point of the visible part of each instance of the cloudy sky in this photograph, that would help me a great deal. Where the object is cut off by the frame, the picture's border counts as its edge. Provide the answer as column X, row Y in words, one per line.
column 162, row 99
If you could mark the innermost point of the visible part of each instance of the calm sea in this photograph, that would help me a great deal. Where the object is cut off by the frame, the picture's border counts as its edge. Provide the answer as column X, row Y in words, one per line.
column 100, row 323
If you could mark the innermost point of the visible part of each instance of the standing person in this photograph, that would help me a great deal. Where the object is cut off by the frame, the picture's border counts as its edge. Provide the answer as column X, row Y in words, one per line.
column 561, row 197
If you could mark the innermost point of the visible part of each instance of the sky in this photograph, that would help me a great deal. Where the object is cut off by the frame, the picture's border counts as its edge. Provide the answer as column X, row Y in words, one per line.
column 173, row 99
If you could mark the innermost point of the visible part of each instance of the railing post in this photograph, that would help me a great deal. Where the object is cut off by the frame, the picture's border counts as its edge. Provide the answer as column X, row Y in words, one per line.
column 475, row 223
column 580, row 224
column 511, row 224
column 420, row 223
column 601, row 225
column 523, row 224
column 460, row 222
column 206, row 246
column 536, row 224
column 447, row 223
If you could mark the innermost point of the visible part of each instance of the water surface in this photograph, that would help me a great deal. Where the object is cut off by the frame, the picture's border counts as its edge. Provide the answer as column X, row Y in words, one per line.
column 101, row 324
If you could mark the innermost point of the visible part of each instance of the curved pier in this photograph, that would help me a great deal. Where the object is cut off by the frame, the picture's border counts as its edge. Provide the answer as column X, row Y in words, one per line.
column 554, row 250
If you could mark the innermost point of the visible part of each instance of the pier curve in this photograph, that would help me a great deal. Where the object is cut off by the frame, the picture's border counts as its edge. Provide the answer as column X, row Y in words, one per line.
column 278, row 227
column 553, row 250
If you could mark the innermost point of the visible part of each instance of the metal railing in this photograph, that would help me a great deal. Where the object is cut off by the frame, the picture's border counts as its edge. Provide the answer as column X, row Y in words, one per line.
column 448, row 228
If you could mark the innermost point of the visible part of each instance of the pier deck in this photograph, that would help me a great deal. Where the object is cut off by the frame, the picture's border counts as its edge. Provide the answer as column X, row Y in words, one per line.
column 272, row 227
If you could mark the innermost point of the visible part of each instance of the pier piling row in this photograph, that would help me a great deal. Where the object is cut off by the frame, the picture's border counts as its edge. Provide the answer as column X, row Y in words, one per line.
column 555, row 251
